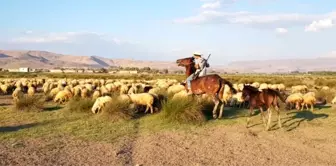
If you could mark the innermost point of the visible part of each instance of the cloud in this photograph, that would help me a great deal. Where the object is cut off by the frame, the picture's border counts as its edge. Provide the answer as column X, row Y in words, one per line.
column 316, row 26
column 28, row 32
column 79, row 43
column 281, row 30
column 262, row 20
column 211, row 5
column 65, row 37
column 331, row 54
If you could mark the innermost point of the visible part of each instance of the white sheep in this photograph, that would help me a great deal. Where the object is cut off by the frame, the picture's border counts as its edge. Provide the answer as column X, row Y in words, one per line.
column 100, row 103
column 17, row 94
column 145, row 99
column 63, row 96
column 96, row 94
column 31, row 91
column 179, row 95
column 175, row 89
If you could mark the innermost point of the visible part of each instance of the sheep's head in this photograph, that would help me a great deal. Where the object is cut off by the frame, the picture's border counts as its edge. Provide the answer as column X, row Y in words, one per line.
column 96, row 108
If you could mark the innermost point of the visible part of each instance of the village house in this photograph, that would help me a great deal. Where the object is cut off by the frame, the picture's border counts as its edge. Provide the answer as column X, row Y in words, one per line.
column 55, row 71
column 13, row 70
column 128, row 72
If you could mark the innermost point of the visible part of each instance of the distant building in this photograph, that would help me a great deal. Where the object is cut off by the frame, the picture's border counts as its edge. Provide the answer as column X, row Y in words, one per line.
column 13, row 70
column 89, row 71
column 69, row 71
column 55, row 71
column 24, row 69
column 128, row 72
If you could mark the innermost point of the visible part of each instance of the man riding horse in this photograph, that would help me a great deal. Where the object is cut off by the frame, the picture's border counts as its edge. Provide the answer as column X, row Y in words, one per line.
column 200, row 65
column 212, row 84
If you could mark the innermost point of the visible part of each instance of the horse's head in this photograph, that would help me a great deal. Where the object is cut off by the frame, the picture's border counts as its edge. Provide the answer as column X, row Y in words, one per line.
column 248, row 91
column 185, row 61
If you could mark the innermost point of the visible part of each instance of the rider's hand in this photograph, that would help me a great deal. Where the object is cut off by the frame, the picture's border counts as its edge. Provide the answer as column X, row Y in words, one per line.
column 196, row 66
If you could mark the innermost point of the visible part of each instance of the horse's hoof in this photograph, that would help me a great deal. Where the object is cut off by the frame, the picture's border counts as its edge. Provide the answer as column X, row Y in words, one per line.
column 214, row 116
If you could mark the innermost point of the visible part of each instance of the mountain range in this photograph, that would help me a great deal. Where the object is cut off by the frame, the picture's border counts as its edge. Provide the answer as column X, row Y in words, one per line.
column 48, row 60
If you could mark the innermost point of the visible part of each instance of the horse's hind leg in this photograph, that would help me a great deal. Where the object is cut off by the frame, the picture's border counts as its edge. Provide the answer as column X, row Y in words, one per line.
column 262, row 114
column 269, row 110
column 221, row 110
column 279, row 118
column 249, row 117
column 214, row 111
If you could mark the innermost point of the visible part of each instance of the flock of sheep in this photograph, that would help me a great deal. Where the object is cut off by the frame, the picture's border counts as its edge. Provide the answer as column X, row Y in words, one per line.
column 139, row 92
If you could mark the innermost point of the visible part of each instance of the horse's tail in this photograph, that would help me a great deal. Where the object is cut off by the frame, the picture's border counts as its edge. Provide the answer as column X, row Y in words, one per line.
column 228, row 83
column 282, row 98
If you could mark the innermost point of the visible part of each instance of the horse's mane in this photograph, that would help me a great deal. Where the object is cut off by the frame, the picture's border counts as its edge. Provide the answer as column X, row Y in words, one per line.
column 251, row 88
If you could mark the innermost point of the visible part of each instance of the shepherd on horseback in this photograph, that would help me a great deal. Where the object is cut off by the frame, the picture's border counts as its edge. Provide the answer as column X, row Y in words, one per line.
column 212, row 84
column 200, row 65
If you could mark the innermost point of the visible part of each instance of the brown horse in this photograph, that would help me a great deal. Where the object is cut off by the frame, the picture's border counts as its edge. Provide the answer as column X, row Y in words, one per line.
column 212, row 85
column 258, row 99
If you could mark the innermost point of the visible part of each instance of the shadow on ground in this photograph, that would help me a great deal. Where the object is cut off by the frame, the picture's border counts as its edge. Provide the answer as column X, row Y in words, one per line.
column 294, row 121
column 52, row 108
column 18, row 127
column 228, row 112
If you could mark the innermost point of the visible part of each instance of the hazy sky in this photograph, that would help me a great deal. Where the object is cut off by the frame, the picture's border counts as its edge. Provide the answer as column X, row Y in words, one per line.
column 169, row 29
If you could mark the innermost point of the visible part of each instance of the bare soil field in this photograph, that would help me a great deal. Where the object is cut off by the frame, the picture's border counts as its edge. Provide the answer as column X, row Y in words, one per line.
column 57, row 137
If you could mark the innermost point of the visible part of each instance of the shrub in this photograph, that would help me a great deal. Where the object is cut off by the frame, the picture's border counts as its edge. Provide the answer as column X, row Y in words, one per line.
column 325, row 94
column 184, row 110
column 118, row 110
column 80, row 105
column 29, row 103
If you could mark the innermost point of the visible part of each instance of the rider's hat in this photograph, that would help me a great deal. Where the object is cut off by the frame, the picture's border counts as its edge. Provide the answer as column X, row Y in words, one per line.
column 197, row 54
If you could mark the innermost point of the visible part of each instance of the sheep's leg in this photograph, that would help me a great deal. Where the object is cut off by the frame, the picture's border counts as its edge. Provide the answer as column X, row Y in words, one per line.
column 151, row 109
column 312, row 107
column 146, row 109
column 269, row 111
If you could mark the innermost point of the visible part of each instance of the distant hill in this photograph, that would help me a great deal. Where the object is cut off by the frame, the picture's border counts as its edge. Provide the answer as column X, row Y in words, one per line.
column 48, row 60
column 286, row 65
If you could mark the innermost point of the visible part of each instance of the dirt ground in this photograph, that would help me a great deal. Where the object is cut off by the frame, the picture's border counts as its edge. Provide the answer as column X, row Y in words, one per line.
column 301, row 142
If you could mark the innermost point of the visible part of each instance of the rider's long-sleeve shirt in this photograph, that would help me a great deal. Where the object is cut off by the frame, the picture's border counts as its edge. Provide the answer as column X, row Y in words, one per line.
column 202, row 66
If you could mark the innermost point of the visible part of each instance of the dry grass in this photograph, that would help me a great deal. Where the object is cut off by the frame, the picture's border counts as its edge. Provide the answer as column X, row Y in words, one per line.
column 80, row 105
column 184, row 110
column 29, row 104
column 118, row 110
column 326, row 94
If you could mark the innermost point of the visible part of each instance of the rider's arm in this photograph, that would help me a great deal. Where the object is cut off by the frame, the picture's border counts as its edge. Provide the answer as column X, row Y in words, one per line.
column 202, row 63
